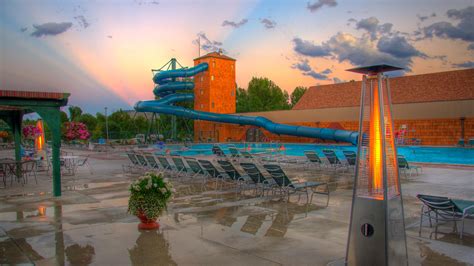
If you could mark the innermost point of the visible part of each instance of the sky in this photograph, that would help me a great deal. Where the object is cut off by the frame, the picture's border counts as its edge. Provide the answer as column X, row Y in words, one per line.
column 102, row 52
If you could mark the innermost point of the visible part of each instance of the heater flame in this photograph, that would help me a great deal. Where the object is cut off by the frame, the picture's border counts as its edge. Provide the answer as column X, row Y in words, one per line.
column 39, row 141
column 376, row 164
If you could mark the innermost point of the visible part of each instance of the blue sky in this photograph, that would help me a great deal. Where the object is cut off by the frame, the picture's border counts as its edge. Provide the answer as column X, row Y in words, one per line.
column 102, row 51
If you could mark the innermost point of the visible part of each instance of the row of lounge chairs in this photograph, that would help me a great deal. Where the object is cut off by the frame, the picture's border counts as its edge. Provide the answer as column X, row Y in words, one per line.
column 331, row 160
column 244, row 175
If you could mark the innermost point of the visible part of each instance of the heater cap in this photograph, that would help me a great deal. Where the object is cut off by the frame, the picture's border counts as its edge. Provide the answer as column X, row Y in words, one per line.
column 374, row 69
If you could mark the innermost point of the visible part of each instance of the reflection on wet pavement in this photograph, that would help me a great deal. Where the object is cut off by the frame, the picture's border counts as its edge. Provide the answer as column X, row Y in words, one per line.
column 89, row 225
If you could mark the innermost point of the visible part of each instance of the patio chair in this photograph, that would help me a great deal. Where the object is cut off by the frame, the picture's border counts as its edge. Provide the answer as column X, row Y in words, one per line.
column 83, row 162
column 313, row 158
column 407, row 168
column 257, row 177
column 28, row 168
column 333, row 159
column 288, row 186
column 445, row 209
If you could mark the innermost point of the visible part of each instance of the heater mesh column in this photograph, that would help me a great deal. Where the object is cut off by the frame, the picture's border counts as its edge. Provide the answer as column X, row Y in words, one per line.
column 377, row 232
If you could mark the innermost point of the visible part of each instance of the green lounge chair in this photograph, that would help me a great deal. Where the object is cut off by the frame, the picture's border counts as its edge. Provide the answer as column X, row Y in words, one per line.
column 257, row 177
column 350, row 157
column 445, row 209
column 406, row 168
column 234, row 153
column 164, row 163
column 333, row 159
column 212, row 171
column 195, row 167
column 151, row 161
column 288, row 186
column 313, row 158
column 180, row 166
column 142, row 161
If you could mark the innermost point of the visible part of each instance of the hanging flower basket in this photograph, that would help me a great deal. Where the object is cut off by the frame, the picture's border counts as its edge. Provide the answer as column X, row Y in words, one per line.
column 149, row 196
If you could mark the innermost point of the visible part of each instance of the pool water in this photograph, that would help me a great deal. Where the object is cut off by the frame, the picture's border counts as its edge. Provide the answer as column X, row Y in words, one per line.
column 422, row 154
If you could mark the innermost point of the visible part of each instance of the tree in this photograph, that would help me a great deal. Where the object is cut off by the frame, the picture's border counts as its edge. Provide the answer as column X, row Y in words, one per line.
column 89, row 120
column 242, row 101
column 262, row 95
column 297, row 94
column 75, row 113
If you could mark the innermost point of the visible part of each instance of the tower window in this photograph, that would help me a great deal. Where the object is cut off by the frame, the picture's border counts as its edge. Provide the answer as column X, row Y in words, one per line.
column 202, row 78
column 212, row 77
column 202, row 106
column 201, row 91
column 212, row 104
column 213, row 64
column 232, row 93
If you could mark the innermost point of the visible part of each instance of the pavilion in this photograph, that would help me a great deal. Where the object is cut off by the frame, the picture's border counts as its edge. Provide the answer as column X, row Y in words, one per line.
column 15, row 104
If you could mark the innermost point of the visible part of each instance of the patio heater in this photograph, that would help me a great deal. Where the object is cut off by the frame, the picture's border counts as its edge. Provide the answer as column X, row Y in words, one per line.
column 377, row 228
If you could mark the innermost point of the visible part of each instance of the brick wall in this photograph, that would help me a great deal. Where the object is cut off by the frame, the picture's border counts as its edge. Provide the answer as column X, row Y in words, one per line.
column 436, row 132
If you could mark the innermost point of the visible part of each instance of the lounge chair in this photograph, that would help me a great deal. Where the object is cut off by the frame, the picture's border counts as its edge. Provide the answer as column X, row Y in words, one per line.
column 180, row 166
column 234, row 174
column 313, row 158
column 407, row 168
column 212, row 171
column 135, row 164
column 257, row 177
column 151, row 161
column 195, row 167
column 234, row 153
column 218, row 151
column 165, row 164
column 288, row 186
column 142, row 161
column 445, row 209
column 350, row 157
column 333, row 159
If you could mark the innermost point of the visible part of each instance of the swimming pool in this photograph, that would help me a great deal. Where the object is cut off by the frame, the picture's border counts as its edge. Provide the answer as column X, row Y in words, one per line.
column 422, row 154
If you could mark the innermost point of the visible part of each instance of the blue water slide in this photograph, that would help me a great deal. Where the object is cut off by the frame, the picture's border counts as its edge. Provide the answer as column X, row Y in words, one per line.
column 167, row 88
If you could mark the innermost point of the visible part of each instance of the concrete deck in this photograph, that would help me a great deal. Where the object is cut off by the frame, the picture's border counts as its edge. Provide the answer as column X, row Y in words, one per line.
column 89, row 224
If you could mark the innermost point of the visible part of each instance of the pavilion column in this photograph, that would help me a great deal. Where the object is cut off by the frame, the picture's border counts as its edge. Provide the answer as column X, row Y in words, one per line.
column 16, row 120
column 52, row 117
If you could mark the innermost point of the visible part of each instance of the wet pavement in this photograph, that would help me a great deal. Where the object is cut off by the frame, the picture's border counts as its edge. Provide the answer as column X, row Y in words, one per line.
column 204, row 226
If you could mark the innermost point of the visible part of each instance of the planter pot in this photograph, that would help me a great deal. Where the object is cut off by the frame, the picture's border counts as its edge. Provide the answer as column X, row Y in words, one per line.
column 146, row 223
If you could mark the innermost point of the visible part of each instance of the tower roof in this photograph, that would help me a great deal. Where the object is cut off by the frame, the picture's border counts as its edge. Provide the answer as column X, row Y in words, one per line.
column 216, row 55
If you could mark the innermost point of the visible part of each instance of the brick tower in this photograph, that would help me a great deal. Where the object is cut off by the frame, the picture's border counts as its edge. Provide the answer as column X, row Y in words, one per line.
column 214, row 91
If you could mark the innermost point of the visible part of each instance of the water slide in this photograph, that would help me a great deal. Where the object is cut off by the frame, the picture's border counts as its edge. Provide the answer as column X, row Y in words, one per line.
column 167, row 88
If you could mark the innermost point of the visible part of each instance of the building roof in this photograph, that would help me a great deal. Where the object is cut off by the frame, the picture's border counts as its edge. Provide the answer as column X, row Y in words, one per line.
column 34, row 95
column 215, row 55
column 433, row 87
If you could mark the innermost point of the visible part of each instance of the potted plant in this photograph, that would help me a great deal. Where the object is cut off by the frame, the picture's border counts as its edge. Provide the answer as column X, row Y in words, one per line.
column 149, row 196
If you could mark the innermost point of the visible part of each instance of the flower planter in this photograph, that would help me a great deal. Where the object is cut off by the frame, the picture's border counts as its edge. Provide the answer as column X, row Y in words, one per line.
column 147, row 224
column 148, row 198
